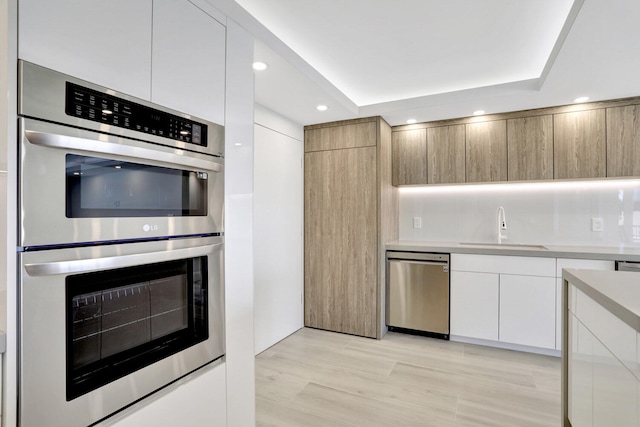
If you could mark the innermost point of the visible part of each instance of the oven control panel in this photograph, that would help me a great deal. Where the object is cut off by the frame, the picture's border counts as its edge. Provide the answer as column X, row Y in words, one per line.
column 108, row 109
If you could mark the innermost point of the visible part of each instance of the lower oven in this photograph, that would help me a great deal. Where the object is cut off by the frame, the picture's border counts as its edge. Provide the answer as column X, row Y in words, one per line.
column 104, row 326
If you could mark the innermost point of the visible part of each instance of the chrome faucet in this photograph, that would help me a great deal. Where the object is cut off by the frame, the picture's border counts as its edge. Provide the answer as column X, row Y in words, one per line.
column 502, row 224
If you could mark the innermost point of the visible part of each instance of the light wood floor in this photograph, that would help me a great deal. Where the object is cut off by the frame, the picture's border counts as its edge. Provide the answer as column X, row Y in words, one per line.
column 319, row 378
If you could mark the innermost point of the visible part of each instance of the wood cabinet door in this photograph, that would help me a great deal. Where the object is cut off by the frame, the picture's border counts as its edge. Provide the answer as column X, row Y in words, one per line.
column 579, row 144
column 341, row 136
column 446, row 154
column 486, row 151
column 409, row 157
column 340, row 262
column 530, row 148
column 623, row 141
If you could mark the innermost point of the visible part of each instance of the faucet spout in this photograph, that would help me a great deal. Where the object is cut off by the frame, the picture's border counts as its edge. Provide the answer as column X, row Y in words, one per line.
column 502, row 224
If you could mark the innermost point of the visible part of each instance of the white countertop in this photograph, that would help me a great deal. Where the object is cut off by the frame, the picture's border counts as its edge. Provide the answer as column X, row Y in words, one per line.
column 617, row 291
column 514, row 249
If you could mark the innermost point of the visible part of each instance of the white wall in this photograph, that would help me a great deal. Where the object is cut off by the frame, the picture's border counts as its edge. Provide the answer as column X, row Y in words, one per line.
column 554, row 213
column 278, row 234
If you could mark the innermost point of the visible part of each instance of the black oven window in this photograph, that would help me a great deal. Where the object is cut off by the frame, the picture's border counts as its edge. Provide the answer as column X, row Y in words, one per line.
column 104, row 188
column 119, row 321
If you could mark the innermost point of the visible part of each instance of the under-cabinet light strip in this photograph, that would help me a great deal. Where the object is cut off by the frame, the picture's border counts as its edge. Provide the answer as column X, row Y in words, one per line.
column 524, row 186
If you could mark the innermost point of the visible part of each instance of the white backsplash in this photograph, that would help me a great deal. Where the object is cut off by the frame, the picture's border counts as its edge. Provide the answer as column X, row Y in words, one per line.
column 554, row 213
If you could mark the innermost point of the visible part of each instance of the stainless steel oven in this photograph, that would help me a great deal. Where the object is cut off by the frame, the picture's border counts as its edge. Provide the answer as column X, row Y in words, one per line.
column 98, row 166
column 103, row 326
column 121, row 247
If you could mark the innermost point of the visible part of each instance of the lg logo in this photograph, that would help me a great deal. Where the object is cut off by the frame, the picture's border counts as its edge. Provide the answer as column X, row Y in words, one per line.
column 148, row 227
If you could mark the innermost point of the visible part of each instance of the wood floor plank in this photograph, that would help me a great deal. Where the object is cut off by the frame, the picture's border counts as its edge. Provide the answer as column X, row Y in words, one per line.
column 402, row 380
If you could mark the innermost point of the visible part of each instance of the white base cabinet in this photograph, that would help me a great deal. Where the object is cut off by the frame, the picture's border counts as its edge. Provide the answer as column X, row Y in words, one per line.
column 474, row 304
column 562, row 263
column 509, row 299
column 528, row 310
column 603, row 383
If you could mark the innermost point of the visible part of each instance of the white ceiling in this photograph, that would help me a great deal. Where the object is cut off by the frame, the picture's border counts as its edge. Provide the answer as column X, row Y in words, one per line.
column 434, row 59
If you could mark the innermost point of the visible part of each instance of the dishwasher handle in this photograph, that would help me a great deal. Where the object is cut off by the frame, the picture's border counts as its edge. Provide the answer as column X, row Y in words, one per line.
column 418, row 256
column 627, row 266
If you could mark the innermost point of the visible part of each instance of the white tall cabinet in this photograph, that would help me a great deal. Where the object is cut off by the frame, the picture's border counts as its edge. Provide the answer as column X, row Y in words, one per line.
column 278, row 215
column 188, row 60
column 165, row 51
column 185, row 55
column 107, row 43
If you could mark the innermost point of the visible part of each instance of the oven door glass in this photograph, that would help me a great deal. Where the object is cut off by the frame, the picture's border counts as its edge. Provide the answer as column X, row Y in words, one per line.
column 121, row 320
column 104, row 188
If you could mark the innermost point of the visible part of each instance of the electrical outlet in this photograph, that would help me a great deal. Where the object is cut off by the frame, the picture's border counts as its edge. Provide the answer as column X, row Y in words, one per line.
column 597, row 224
column 417, row 222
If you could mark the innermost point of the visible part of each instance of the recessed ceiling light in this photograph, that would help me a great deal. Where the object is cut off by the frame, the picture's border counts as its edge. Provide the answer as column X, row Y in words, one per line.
column 478, row 112
column 238, row 144
column 259, row 66
column 411, row 121
column 322, row 108
column 581, row 99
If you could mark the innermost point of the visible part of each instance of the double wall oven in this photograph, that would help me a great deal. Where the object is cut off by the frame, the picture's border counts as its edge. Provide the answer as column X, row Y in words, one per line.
column 121, row 248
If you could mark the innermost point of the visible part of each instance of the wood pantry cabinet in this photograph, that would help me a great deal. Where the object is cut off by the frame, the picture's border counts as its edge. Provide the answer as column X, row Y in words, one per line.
column 350, row 212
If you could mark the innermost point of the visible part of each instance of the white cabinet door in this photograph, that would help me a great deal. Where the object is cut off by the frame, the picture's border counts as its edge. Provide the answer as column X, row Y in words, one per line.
column 107, row 43
column 188, row 60
column 199, row 399
column 591, row 264
column 580, row 399
column 527, row 310
column 474, row 305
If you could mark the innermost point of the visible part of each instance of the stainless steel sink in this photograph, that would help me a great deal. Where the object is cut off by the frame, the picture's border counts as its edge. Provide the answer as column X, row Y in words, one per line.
column 503, row 245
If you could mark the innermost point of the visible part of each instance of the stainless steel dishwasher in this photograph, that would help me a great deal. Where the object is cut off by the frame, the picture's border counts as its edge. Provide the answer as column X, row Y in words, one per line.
column 417, row 299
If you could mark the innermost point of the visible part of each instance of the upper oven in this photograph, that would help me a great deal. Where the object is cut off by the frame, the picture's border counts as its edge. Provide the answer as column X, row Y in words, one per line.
column 99, row 166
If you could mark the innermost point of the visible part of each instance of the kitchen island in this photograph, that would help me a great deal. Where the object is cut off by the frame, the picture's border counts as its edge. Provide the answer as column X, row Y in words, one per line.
column 600, row 354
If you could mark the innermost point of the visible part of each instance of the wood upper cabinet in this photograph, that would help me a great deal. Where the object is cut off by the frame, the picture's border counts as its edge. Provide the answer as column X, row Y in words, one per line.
column 409, row 157
column 623, row 141
column 579, row 144
column 446, row 154
column 337, row 136
column 486, row 151
column 530, row 148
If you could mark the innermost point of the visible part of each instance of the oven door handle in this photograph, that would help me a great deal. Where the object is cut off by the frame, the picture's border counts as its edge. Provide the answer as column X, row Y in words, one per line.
column 74, row 143
column 108, row 263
